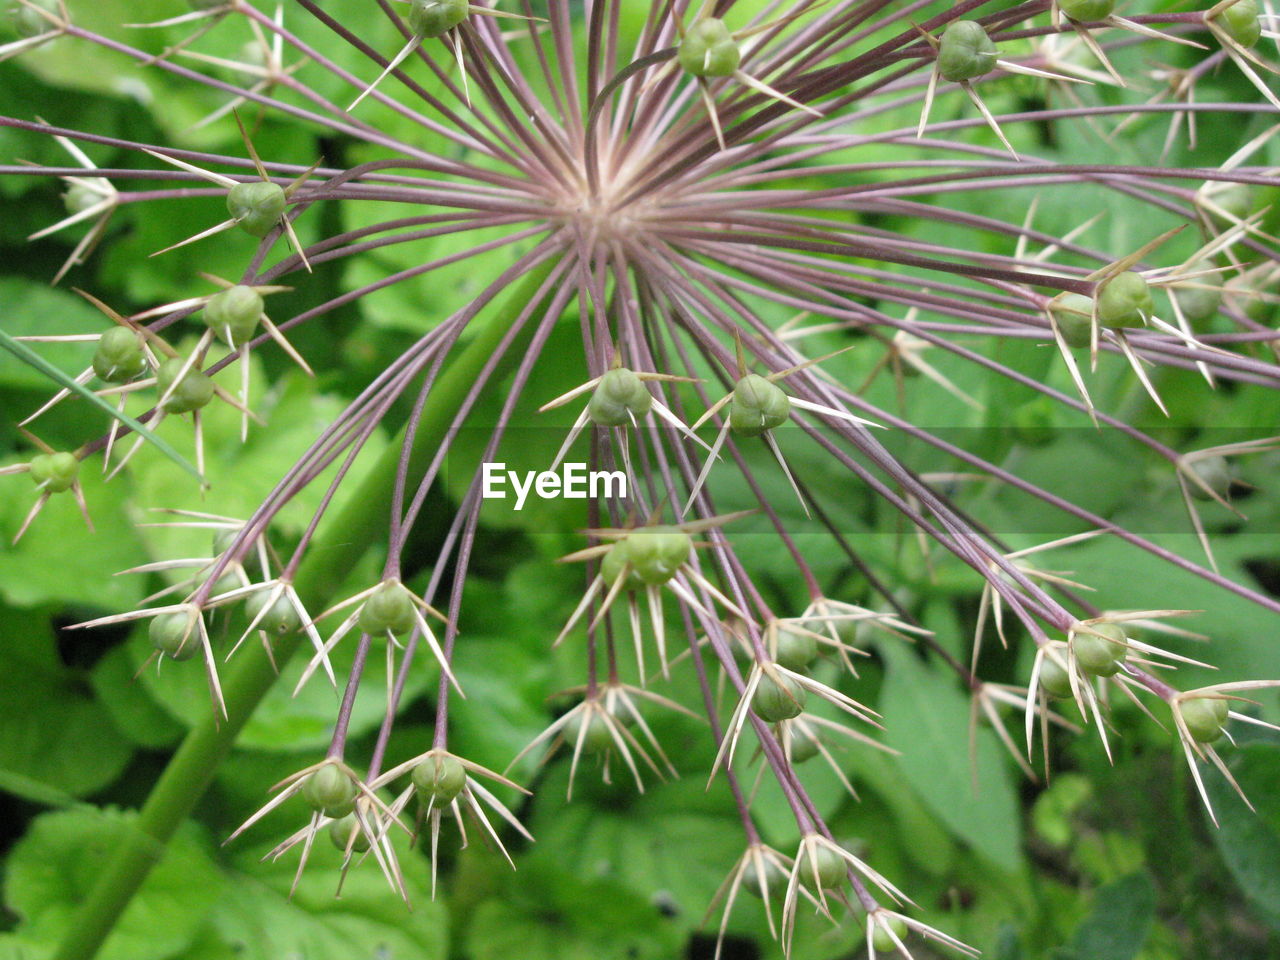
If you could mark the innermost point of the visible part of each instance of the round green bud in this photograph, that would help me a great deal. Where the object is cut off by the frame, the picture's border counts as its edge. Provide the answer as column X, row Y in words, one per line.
column 1202, row 297
column 346, row 831
column 28, row 22
column 439, row 778
column 280, row 618
column 709, row 50
column 435, row 18
column 656, row 553
column 1073, row 313
column 1214, row 471
column 830, row 867
column 194, row 391
column 118, row 357
column 880, row 938
column 1054, row 679
column 54, row 472
column 85, row 194
column 1125, row 301
column 223, row 539
column 330, row 791
column 1087, row 10
column 795, row 650
column 775, row 878
column 619, row 396
column 1241, row 22
column 803, row 743
column 1234, row 199
column 389, row 608
column 778, row 700
column 174, row 635
column 1033, row 422
column 1205, row 717
column 1101, row 656
column 757, row 406
column 612, row 564
column 965, row 51
column 224, row 584
column 598, row 736
column 256, row 206
column 234, row 314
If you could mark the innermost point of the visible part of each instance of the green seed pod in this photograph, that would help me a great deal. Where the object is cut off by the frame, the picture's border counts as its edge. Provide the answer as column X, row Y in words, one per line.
column 597, row 739
column 1125, row 301
column 880, row 939
column 223, row 539
column 54, row 472
column 804, row 743
column 346, row 830
column 965, row 51
column 1097, row 656
column 1205, row 717
column 831, row 868
column 390, row 607
column 757, row 406
column 1234, row 199
column 439, row 777
column 795, row 651
column 118, row 357
column 1200, row 302
column 225, row 583
column 774, row 702
column 1073, row 313
column 330, row 791
column 656, row 553
column 84, row 194
column 619, row 396
column 611, row 567
column 709, row 50
column 193, row 392
column 280, row 619
column 1087, row 10
column 1241, row 22
column 1033, row 422
column 435, row 18
column 234, row 313
column 775, row 878
column 174, row 635
column 257, row 206
column 1054, row 679
column 1216, row 472
column 29, row 23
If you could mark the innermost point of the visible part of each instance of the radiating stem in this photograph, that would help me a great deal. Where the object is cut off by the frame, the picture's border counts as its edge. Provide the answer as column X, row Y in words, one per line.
column 192, row 767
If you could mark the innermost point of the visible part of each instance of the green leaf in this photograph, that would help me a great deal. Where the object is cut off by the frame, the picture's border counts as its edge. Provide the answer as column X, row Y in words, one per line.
column 1121, row 917
column 54, row 866
column 57, row 741
column 1250, row 842
column 30, row 357
column 925, row 716
column 255, row 919
column 675, row 838
column 58, row 561
column 570, row 920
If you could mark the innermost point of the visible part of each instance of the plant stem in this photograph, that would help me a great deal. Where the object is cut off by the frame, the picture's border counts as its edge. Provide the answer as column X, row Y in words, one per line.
column 328, row 562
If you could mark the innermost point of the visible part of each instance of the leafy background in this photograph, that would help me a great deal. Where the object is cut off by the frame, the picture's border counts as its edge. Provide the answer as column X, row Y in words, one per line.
column 1104, row 862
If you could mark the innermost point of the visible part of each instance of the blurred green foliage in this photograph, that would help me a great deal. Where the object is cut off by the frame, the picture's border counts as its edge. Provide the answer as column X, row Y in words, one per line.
column 1102, row 862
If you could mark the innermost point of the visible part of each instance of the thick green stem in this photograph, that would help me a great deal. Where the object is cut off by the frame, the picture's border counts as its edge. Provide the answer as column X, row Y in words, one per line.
column 345, row 538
